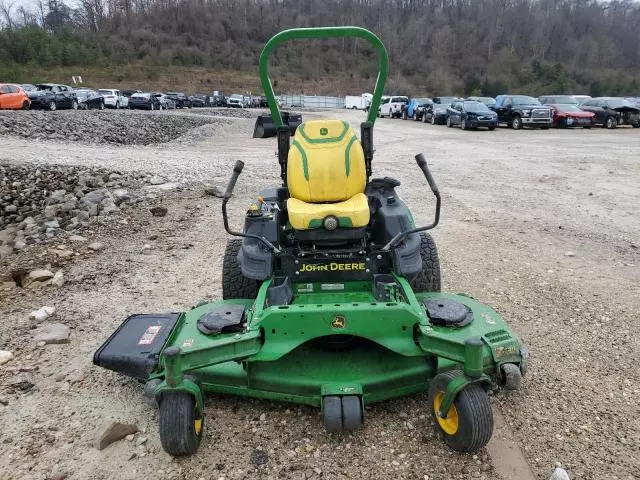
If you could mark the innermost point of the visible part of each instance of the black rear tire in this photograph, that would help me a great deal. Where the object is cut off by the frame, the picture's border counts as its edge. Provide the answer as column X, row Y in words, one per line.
column 474, row 425
column 428, row 280
column 234, row 284
column 181, row 424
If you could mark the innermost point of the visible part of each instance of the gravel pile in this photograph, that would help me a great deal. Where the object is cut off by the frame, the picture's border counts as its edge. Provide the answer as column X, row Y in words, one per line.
column 111, row 127
column 230, row 112
column 36, row 202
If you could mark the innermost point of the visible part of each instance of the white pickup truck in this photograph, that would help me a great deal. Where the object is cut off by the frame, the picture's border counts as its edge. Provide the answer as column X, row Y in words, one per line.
column 392, row 106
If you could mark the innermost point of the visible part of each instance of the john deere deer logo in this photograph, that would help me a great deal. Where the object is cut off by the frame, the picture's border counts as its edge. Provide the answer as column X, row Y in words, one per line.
column 324, row 131
column 338, row 322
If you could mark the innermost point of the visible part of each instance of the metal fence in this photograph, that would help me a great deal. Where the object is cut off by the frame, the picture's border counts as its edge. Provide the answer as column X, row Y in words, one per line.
column 311, row 101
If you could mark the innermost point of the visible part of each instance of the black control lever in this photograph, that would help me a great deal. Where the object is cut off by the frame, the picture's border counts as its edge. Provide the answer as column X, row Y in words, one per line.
column 237, row 170
column 422, row 163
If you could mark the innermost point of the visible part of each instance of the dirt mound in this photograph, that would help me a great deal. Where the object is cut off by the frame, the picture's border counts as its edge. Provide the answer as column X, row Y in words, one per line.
column 111, row 127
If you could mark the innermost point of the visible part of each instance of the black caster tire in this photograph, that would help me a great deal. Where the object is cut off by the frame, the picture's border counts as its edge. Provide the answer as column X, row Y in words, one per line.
column 181, row 424
column 352, row 415
column 469, row 423
column 332, row 414
column 511, row 376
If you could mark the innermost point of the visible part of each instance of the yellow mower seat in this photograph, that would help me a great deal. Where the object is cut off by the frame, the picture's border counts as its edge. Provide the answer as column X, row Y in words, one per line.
column 326, row 176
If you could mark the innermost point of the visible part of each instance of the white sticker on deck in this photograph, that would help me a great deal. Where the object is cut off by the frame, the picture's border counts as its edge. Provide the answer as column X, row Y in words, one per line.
column 305, row 288
column 150, row 335
column 332, row 286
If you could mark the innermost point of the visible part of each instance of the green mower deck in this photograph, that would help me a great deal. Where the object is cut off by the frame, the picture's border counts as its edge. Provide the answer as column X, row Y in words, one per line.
column 276, row 357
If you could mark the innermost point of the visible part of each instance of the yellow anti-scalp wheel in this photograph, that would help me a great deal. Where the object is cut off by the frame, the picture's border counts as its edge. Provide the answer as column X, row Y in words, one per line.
column 468, row 425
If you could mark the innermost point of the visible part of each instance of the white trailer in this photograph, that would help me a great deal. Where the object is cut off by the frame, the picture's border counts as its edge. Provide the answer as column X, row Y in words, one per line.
column 360, row 102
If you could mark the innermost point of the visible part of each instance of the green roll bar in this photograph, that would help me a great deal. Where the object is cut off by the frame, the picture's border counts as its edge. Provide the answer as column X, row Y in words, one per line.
column 324, row 32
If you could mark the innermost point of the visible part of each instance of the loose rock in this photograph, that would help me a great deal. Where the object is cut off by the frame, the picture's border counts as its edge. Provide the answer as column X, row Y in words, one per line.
column 42, row 313
column 58, row 279
column 157, row 180
column 53, row 334
column 112, row 431
column 5, row 356
column 213, row 191
column 560, row 474
column 158, row 211
column 95, row 246
column 37, row 276
column 21, row 382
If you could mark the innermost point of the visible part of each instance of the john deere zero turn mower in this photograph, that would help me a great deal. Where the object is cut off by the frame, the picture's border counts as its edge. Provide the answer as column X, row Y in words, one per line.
column 331, row 298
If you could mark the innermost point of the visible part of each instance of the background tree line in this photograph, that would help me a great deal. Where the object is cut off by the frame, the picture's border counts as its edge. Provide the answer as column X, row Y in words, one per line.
column 435, row 46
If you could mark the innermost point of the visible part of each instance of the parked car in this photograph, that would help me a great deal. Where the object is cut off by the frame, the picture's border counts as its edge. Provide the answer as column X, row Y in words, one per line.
column 235, row 101
column 581, row 98
column 610, row 111
column 165, row 102
column 635, row 101
column 444, row 100
column 13, row 97
column 144, row 101
column 27, row 87
column 197, row 100
column 558, row 100
column 471, row 114
column 392, row 106
column 128, row 93
column 114, row 98
column 565, row 116
column 488, row 101
column 219, row 100
column 180, row 98
column 436, row 113
column 518, row 111
column 89, row 99
column 409, row 109
column 53, row 96
column 419, row 112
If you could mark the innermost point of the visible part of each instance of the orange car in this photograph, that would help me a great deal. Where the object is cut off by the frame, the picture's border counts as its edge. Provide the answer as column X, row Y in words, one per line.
column 13, row 97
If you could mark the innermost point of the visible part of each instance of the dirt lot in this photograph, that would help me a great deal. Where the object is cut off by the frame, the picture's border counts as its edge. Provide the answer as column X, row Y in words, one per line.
column 541, row 225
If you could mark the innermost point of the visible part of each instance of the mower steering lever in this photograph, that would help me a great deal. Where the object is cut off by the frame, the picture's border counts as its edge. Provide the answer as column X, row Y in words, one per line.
column 237, row 170
column 422, row 163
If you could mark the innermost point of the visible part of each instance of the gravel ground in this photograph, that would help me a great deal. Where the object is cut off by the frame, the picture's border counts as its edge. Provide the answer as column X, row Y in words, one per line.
column 124, row 127
column 542, row 226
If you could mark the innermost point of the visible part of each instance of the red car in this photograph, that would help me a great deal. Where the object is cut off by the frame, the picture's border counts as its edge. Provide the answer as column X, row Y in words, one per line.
column 570, row 116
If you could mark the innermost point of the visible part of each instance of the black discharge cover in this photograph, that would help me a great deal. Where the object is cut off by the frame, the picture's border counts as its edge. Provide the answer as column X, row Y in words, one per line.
column 448, row 313
column 222, row 319
column 134, row 348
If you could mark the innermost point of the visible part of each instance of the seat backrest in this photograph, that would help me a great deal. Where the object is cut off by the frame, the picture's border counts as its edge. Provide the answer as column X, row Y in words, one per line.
column 325, row 163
